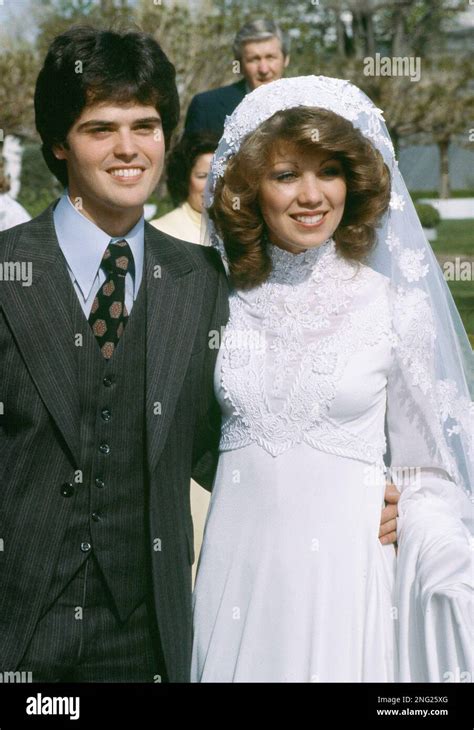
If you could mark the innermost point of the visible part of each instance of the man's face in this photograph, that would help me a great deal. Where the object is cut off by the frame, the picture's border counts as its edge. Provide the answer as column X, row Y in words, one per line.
column 114, row 156
column 263, row 61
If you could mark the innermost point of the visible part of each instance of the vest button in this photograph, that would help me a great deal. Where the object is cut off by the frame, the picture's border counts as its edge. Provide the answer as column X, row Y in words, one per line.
column 104, row 448
column 85, row 547
column 67, row 490
column 106, row 414
column 99, row 483
column 108, row 381
column 96, row 516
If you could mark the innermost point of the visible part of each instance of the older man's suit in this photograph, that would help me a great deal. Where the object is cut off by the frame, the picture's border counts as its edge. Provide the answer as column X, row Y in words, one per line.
column 208, row 110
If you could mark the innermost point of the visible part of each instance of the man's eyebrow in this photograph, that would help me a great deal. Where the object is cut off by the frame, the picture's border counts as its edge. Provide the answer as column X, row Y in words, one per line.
column 261, row 55
column 108, row 123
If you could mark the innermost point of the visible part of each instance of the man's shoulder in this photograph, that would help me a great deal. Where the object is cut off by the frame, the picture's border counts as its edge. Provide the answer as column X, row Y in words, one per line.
column 30, row 229
column 222, row 93
column 199, row 257
column 10, row 236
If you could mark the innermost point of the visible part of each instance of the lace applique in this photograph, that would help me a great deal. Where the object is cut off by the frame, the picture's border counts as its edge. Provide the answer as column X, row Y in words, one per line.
column 311, row 330
column 447, row 413
column 416, row 334
column 411, row 266
column 397, row 202
column 392, row 241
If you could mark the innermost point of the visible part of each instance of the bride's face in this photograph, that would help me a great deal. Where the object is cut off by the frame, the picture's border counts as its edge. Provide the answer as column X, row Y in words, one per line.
column 302, row 198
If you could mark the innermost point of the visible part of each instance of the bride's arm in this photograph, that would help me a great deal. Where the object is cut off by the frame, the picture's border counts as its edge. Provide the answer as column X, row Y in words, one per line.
column 388, row 518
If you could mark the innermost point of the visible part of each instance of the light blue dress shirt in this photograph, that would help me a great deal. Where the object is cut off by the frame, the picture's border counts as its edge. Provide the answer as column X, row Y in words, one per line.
column 83, row 245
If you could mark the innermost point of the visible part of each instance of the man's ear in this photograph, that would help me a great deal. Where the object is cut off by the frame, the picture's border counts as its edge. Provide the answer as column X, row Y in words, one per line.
column 59, row 151
column 287, row 60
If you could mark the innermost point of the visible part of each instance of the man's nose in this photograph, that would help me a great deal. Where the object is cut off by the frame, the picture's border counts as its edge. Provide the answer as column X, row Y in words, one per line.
column 125, row 146
column 263, row 68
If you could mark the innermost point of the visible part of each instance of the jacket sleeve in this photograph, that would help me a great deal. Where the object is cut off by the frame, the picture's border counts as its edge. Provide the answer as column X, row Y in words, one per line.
column 208, row 420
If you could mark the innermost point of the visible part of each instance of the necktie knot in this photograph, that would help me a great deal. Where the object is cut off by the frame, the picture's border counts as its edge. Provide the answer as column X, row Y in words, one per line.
column 117, row 258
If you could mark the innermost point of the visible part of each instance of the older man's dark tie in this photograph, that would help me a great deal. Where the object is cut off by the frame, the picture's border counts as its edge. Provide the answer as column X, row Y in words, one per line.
column 109, row 315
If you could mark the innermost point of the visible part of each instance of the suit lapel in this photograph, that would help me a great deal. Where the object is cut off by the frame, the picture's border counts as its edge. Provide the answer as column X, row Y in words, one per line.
column 174, row 295
column 40, row 317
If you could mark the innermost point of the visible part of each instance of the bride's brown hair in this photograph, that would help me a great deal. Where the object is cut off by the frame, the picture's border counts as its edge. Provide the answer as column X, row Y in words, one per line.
column 236, row 210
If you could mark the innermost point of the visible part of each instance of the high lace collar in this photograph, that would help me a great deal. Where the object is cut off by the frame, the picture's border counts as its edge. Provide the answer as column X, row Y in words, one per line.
column 287, row 266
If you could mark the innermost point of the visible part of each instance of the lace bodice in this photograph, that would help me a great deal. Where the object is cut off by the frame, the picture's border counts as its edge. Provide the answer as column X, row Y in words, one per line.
column 305, row 357
column 329, row 353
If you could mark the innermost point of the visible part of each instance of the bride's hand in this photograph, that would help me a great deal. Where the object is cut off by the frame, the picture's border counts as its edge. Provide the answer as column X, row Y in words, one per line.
column 388, row 521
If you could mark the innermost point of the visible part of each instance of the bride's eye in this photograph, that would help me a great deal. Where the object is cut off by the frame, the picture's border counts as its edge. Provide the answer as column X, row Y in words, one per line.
column 332, row 171
column 283, row 176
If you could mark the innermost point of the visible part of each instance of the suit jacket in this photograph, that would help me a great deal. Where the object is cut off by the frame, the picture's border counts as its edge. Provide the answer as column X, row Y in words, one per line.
column 208, row 110
column 39, row 424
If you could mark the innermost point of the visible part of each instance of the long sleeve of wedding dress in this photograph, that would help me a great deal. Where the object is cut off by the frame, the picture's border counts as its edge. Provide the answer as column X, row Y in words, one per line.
column 434, row 581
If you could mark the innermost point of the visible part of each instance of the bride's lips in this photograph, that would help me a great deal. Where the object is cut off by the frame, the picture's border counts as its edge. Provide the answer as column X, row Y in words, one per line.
column 307, row 220
column 126, row 175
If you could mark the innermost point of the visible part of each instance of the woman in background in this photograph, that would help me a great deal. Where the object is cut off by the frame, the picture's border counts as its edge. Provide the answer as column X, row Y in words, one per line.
column 186, row 174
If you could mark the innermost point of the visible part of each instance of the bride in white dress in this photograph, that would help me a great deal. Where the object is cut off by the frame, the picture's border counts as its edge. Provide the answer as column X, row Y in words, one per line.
column 332, row 373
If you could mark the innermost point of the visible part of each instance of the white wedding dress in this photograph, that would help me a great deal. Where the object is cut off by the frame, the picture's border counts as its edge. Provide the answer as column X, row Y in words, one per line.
column 293, row 584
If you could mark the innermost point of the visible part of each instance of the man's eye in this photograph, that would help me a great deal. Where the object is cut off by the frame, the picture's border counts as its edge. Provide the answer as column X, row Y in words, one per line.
column 146, row 128
column 100, row 130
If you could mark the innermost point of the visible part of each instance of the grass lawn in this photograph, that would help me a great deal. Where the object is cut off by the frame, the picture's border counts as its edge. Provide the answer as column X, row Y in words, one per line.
column 457, row 238
column 463, row 295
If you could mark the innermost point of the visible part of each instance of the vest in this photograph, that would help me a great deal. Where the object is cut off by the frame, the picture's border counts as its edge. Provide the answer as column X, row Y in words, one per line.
column 108, row 515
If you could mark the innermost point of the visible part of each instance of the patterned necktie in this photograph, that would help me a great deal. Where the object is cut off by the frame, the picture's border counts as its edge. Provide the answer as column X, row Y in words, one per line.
column 109, row 314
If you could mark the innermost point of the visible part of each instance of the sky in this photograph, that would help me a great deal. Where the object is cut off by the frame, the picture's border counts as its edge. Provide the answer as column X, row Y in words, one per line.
column 16, row 17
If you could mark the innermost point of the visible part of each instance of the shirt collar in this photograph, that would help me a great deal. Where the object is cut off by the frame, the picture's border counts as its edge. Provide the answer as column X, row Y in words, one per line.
column 83, row 245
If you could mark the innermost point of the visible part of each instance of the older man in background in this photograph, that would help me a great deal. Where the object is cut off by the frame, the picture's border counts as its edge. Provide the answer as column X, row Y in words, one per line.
column 262, row 50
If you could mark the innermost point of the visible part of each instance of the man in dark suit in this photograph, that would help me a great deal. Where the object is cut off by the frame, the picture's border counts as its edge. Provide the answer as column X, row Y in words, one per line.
column 261, row 52
column 106, row 396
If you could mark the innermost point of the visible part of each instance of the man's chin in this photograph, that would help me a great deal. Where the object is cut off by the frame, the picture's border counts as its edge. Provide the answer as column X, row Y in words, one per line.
column 127, row 201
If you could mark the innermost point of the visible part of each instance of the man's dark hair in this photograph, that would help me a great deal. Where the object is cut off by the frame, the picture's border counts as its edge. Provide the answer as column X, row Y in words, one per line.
column 85, row 66
column 181, row 161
